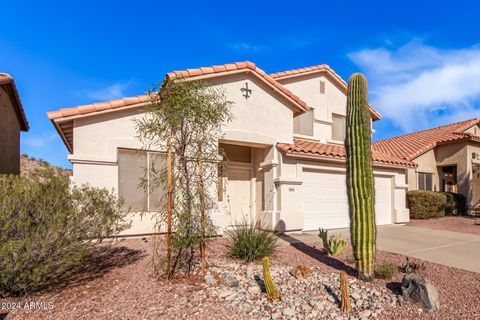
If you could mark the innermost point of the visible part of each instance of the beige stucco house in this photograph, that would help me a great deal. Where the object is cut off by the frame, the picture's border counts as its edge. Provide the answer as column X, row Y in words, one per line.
column 447, row 158
column 285, row 145
column 12, row 121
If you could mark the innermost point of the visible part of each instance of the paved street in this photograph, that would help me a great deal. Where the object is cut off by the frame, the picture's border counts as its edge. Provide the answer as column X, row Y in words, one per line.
column 461, row 250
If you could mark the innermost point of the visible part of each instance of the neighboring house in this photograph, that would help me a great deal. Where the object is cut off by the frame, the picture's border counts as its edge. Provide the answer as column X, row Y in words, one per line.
column 447, row 158
column 285, row 146
column 12, row 121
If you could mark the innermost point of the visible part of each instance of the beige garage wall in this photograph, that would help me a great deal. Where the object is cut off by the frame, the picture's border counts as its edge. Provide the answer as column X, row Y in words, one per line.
column 290, row 192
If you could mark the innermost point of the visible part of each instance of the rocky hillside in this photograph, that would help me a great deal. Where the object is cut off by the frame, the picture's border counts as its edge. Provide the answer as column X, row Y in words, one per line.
column 31, row 164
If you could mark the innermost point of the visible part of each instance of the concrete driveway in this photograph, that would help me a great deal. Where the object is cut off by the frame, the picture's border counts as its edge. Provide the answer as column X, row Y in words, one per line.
column 461, row 250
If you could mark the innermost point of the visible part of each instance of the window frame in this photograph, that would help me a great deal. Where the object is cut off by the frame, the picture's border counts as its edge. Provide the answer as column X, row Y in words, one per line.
column 423, row 186
column 146, row 165
column 344, row 118
column 300, row 120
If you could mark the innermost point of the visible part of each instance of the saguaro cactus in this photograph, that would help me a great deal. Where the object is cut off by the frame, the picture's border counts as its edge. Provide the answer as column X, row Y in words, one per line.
column 360, row 182
column 272, row 291
column 345, row 302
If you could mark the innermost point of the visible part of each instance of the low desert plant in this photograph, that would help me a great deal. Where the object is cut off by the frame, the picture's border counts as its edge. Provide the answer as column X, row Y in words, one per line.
column 250, row 243
column 334, row 244
column 385, row 270
column 425, row 204
column 409, row 266
column 47, row 228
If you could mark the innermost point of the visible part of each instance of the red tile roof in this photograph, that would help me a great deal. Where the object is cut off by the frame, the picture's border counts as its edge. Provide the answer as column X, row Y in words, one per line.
column 246, row 65
column 188, row 73
column 62, row 118
column 319, row 150
column 301, row 71
column 412, row 145
column 97, row 107
column 279, row 76
column 6, row 79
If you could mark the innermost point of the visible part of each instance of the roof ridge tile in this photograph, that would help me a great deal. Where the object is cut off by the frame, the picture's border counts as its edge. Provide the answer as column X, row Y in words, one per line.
column 413, row 144
column 306, row 147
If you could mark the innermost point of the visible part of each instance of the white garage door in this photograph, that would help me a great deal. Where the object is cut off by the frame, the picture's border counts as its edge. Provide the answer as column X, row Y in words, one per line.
column 326, row 201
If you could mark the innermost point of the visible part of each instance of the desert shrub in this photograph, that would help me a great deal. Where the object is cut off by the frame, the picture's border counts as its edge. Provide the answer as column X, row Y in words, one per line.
column 385, row 270
column 334, row 244
column 250, row 243
column 456, row 203
column 425, row 204
column 47, row 228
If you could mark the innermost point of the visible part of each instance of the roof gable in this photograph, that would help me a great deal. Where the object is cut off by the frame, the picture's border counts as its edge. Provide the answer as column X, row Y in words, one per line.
column 189, row 74
column 413, row 145
column 63, row 118
column 298, row 105
column 323, row 69
column 7, row 81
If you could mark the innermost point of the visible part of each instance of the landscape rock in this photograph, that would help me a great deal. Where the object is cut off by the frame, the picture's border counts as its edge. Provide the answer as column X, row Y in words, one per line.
column 420, row 291
column 209, row 280
column 254, row 290
column 287, row 312
column 365, row 314
column 224, row 294
column 300, row 272
column 231, row 281
column 355, row 296
column 304, row 297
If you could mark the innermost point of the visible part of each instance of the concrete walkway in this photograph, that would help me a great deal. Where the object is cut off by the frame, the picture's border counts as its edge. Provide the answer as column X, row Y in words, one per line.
column 461, row 250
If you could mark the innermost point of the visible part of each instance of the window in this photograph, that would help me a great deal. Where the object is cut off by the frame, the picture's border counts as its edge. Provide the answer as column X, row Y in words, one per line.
column 303, row 124
column 338, row 127
column 425, row 181
column 131, row 172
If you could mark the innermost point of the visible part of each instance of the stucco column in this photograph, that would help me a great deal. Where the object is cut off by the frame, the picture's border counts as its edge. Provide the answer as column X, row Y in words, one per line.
column 401, row 213
column 268, row 215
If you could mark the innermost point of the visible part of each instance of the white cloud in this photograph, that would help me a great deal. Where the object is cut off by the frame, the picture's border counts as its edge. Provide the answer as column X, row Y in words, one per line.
column 111, row 92
column 245, row 46
column 41, row 140
column 419, row 86
column 279, row 43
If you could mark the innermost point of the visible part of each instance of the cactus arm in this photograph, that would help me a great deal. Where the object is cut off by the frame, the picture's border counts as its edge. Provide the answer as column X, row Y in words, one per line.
column 272, row 291
column 323, row 234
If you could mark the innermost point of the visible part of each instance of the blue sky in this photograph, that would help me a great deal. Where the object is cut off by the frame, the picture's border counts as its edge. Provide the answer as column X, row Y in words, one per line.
column 422, row 58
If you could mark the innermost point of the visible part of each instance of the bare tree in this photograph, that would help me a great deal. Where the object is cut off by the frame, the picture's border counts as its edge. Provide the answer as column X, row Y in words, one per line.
column 184, row 119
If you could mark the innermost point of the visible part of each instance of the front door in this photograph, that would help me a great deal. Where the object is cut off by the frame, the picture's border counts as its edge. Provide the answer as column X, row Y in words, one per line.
column 238, row 194
column 449, row 179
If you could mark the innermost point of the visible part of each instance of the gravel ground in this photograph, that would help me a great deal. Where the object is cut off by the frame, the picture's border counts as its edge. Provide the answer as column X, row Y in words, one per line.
column 119, row 284
column 457, row 224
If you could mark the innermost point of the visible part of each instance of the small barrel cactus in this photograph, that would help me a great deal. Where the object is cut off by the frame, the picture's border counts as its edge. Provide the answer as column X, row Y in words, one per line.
column 360, row 182
column 345, row 297
column 272, row 291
